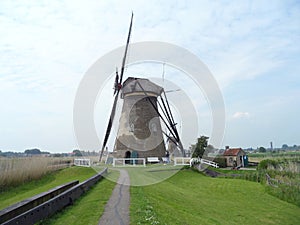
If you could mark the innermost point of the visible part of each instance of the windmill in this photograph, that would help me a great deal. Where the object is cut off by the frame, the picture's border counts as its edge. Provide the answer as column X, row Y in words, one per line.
column 145, row 106
column 139, row 133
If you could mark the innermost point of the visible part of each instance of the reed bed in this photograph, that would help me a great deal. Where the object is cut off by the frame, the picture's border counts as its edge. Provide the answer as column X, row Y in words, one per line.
column 15, row 171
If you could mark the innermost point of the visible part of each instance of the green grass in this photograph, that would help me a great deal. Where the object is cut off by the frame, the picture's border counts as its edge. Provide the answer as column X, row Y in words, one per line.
column 230, row 171
column 51, row 180
column 151, row 174
column 184, row 197
column 88, row 208
column 191, row 198
column 275, row 154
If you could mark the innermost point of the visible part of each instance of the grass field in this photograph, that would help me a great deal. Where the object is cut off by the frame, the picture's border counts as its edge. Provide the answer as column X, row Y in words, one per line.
column 51, row 180
column 141, row 176
column 187, row 197
column 88, row 208
column 257, row 157
column 191, row 198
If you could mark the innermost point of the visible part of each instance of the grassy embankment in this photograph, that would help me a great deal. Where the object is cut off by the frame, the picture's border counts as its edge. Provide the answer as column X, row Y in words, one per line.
column 192, row 198
column 283, row 173
column 283, row 178
column 186, row 198
column 28, row 189
column 86, row 210
column 89, row 207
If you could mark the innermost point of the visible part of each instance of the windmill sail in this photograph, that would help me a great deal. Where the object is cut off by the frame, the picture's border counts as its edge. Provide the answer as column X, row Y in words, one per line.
column 117, row 91
column 140, row 133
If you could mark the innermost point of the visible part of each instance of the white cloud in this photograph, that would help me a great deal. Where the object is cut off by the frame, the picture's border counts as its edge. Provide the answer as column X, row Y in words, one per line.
column 239, row 115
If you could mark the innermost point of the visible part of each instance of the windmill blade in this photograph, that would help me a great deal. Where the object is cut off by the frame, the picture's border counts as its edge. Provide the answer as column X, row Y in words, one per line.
column 109, row 126
column 156, row 109
column 126, row 49
column 171, row 126
column 118, row 85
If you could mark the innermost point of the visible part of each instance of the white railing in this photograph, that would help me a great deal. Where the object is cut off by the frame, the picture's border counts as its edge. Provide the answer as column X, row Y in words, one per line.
column 128, row 161
column 204, row 161
column 82, row 162
column 181, row 161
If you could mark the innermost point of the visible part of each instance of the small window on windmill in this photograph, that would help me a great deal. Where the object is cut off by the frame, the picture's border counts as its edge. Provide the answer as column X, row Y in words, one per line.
column 131, row 127
column 154, row 128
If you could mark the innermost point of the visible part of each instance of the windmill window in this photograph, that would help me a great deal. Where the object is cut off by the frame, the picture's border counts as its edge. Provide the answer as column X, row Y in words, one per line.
column 154, row 128
column 131, row 127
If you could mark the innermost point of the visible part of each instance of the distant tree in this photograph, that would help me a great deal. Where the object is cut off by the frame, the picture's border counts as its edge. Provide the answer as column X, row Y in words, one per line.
column 77, row 152
column 46, row 153
column 210, row 148
column 34, row 151
column 262, row 149
column 200, row 147
column 285, row 146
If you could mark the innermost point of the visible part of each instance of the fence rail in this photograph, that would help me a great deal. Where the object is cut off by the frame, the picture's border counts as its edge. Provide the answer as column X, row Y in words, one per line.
column 82, row 162
column 189, row 161
column 204, row 161
column 181, row 161
column 128, row 161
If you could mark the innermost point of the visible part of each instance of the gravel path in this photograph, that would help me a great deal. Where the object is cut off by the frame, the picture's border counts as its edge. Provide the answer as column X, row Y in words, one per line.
column 117, row 208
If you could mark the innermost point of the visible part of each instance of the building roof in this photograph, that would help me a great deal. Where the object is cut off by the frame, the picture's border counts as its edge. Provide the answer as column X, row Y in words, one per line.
column 232, row 151
column 134, row 84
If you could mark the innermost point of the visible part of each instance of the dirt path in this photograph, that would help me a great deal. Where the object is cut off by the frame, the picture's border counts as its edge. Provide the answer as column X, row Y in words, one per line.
column 117, row 208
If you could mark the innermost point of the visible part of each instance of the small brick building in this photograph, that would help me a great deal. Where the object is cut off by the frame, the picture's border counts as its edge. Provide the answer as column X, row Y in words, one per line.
column 235, row 157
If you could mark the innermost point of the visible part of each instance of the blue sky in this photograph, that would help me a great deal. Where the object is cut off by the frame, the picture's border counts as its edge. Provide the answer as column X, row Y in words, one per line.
column 251, row 48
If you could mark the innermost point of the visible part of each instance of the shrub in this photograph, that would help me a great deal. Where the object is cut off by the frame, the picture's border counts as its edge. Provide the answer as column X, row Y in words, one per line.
column 264, row 164
column 221, row 162
column 285, row 172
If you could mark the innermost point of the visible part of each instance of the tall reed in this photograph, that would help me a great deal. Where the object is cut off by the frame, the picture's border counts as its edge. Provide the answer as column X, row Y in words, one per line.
column 15, row 171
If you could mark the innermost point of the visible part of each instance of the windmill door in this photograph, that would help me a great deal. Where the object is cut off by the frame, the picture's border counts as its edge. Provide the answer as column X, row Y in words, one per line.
column 134, row 154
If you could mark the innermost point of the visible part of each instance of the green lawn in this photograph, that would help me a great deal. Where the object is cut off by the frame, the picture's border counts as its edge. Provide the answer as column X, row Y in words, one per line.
column 231, row 171
column 187, row 197
column 51, row 180
column 88, row 208
column 191, row 198
column 141, row 176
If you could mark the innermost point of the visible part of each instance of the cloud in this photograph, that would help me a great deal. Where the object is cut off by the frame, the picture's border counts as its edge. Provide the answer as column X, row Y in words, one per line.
column 45, row 49
column 239, row 115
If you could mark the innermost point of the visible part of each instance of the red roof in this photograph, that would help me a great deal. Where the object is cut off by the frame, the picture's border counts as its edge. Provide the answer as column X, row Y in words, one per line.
column 232, row 151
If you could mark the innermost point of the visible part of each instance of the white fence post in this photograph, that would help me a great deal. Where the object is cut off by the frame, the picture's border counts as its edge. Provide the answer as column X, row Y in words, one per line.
column 82, row 162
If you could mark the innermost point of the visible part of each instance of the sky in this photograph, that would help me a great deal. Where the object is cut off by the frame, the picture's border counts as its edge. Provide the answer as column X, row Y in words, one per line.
column 250, row 47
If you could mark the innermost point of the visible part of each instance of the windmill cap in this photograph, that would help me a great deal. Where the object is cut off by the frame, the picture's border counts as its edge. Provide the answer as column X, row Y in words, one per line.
column 140, row 85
